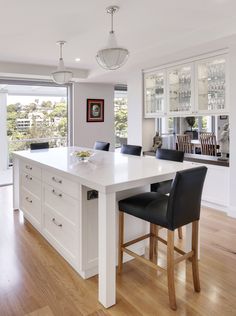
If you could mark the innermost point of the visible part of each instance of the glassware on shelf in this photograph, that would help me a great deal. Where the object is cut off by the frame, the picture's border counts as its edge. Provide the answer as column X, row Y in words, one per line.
column 180, row 89
column 211, row 81
column 154, row 93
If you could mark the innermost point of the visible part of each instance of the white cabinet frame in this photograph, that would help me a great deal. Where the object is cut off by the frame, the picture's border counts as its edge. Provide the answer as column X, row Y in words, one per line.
column 164, row 111
column 213, row 111
column 194, row 110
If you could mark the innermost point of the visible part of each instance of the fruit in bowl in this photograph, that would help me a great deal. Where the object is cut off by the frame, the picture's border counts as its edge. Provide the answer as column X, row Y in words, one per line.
column 83, row 155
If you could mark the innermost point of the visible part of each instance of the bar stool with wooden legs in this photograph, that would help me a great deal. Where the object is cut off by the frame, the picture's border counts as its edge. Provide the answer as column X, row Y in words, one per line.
column 180, row 208
column 164, row 187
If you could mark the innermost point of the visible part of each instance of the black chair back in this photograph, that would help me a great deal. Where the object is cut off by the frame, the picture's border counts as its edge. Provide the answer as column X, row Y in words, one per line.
column 131, row 150
column 170, row 154
column 36, row 146
column 101, row 146
column 185, row 197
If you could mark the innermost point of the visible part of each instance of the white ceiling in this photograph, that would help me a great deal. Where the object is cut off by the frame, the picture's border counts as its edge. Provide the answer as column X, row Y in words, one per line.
column 150, row 29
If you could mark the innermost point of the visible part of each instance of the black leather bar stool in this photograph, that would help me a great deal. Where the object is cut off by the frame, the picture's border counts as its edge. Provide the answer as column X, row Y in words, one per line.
column 180, row 208
column 36, row 146
column 101, row 146
column 165, row 186
column 131, row 150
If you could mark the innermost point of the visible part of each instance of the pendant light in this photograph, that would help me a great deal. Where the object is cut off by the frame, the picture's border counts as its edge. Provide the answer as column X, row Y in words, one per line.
column 112, row 57
column 61, row 75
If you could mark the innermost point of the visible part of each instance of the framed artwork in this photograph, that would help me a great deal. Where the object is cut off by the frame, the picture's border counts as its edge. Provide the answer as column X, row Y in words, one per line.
column 95, row 110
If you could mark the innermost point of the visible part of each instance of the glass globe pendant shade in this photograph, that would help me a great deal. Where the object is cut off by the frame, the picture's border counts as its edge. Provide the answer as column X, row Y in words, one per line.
column 61, row 75
column 112, row 57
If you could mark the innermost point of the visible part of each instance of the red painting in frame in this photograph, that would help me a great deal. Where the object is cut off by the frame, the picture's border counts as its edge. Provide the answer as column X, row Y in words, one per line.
column 95, row 110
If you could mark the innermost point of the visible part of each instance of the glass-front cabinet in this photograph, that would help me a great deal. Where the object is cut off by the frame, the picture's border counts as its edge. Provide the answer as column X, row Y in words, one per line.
column 211, row 88
column 180, row 90
column 191, row 89
column 154, row 93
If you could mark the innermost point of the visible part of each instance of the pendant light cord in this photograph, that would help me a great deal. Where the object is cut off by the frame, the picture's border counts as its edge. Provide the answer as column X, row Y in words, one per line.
column 112, row 13
column 61, row 44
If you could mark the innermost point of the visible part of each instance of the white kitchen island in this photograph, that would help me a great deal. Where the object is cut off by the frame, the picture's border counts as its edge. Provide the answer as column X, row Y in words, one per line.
column 51, row 188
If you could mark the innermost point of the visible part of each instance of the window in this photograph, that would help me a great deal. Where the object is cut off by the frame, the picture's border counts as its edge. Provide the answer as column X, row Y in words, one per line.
column 168, row 127
column 121, row 116
column 36, row 114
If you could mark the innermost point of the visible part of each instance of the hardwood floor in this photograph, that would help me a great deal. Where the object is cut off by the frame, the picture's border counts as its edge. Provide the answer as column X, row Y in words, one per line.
column 36, row 280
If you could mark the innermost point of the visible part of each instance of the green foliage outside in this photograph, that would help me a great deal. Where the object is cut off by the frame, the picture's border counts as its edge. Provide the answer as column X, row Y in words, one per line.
column 42, row 121
column 121, row 123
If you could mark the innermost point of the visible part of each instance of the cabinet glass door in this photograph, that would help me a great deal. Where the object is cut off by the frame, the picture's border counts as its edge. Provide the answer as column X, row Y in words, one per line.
column 211, row 84
column 154, row 93
column 180, row 89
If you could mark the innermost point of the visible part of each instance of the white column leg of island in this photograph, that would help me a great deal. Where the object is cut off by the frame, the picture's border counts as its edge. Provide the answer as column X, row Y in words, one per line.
column 107, row 248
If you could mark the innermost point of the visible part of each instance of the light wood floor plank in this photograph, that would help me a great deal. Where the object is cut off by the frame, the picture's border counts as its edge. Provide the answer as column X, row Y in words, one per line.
column 36, row 281
column 45, row 311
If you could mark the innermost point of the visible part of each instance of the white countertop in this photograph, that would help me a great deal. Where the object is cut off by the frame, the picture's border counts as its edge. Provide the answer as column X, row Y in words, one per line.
column 106, row 171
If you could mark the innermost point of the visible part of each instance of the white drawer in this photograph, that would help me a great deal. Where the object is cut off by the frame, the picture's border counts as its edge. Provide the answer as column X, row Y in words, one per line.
column 31, row 206
column 67, row 186
column 31, row 183
column 58, row 230
column 30, row 168
column 60, row 202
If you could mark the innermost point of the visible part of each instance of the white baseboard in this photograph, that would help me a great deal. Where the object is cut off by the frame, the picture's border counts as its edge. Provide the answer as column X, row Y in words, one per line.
column 218, row 207
column 229, row 210
column 232, row 211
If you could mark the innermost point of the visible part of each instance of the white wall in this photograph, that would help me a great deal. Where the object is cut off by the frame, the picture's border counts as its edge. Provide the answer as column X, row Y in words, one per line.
column 85, row 134
column 140, row 130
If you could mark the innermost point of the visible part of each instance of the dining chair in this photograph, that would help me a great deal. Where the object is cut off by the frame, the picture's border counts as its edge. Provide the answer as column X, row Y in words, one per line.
column 206, row 134
column 131, row 150
column 164, row 187
column 180, row 208
column 208, row 144
column 36, row 146
column 184, row 144
column 189, row 133
column 101, row 146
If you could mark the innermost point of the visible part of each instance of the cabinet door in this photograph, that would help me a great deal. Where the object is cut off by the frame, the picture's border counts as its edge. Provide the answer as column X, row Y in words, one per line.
column 154, row 94
column 180, row 90
column 210, row 81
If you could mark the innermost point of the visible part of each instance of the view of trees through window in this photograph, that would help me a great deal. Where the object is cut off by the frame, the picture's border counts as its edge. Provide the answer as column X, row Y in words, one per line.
column 121, row 117
column 36, row 119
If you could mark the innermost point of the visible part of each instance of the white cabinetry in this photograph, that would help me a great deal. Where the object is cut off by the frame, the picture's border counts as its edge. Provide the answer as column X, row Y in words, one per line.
column 188, row 89
column 52, row 204
column 180, row 90
column 30, row 193
column 211, row 85
column 60, row 220
column 155, row 94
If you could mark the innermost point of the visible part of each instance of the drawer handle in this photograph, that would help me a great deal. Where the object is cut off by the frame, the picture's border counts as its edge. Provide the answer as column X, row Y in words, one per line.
column 28, row 167
column 56, row 223
column 28, row 177
column 57, row 194
column 56, row 180
column 28, row 200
